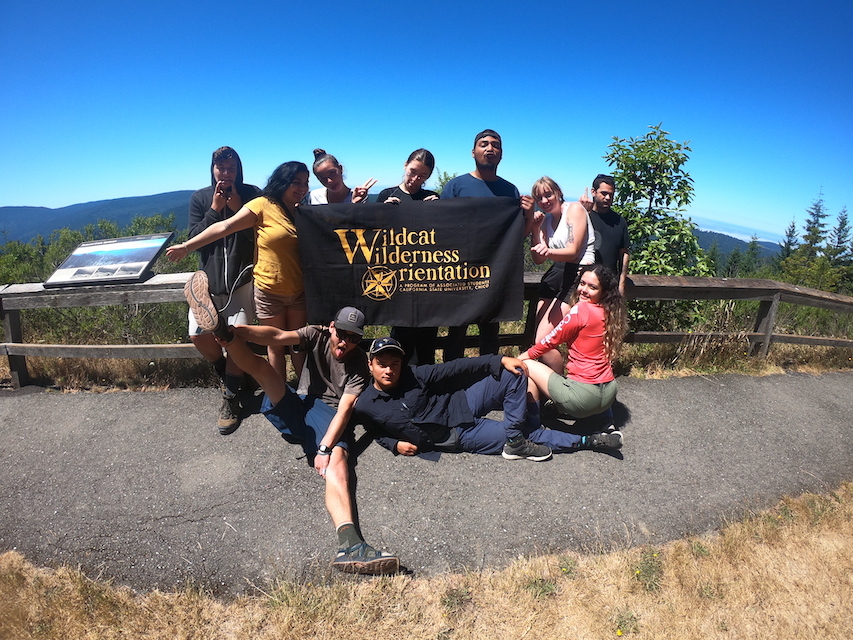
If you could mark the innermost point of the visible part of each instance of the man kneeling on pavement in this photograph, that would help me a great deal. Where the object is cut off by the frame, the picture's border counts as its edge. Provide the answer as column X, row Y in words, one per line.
column 443, row 407
column 317, row 415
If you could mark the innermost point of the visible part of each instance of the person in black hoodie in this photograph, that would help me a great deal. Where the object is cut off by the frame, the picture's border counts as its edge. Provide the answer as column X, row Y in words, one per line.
column 228, row 265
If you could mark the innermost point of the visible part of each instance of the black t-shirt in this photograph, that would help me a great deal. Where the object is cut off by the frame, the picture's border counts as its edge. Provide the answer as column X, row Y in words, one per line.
column 611, row 236
column 397, row 192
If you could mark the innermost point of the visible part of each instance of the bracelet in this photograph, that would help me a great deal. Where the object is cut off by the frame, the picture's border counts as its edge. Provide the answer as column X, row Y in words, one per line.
column 323, row 450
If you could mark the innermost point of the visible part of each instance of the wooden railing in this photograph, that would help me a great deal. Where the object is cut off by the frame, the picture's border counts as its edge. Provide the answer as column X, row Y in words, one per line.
column 169, row 288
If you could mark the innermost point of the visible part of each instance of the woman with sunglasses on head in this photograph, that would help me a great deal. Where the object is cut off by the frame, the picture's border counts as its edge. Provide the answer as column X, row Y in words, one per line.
column 564, row 235
column 330, row 173
column 593, row 330
column 279, row 293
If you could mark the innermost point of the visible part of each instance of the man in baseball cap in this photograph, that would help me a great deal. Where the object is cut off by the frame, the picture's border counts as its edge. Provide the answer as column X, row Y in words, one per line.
column 443, row 407
column 317, row 414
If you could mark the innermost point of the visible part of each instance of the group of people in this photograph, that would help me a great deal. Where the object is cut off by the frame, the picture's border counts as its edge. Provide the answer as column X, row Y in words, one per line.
column 407, row 402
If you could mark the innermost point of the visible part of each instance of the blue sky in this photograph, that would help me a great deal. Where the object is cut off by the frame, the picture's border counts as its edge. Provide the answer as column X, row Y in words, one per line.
column 105, row 100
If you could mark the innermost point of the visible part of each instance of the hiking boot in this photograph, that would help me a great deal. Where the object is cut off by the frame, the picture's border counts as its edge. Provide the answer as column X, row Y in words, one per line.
column 229, row 415
column 364, row 559
column 206, row 315
column 609, row 440
column 525, row 449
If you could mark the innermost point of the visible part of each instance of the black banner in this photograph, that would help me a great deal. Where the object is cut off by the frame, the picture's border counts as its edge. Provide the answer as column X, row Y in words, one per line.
column 416, row 264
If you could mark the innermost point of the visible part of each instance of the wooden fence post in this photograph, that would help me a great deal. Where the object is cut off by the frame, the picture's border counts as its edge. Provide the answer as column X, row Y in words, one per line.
column 764, row 323
column 12, row 332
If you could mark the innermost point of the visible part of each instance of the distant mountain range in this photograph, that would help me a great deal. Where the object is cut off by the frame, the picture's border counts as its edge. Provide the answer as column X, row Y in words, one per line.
column 25, row 223
column 727, row 244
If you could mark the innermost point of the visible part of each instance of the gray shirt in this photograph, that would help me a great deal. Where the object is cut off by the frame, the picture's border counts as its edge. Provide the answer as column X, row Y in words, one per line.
column 324, row 376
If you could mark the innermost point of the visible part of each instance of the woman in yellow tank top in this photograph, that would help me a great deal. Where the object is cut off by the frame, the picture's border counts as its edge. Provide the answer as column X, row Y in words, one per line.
column 279, row 293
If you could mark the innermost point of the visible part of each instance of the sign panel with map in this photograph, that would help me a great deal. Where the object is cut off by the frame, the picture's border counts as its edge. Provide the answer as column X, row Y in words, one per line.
column 112, row 261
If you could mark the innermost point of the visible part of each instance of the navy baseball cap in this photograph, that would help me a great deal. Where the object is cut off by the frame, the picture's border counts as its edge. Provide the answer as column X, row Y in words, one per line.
column 386, row 344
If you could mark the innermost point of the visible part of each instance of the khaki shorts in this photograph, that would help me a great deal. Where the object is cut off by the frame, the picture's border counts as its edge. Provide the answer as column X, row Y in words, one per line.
column 239, row 310
column 268, row 305
column 579, row 399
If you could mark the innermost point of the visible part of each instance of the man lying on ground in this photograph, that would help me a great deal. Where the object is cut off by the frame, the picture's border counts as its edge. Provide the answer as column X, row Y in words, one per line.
column 443, row 407
column 317, row 415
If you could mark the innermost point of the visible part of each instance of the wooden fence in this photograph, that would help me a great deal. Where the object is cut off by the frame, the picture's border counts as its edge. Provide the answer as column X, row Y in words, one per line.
column 169, row 288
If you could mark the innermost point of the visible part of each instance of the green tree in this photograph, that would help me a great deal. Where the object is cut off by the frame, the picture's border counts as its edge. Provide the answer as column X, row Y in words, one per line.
column 22, row 262
column 652, row 189
column 790, row 244
column 441, row 179
column 751, row 258
column 814, row 236
column 838, row 248
column 734, row 264
column 714, row 258
column 812, row 263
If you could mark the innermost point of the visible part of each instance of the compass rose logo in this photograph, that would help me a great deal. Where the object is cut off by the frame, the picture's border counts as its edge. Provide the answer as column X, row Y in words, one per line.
column 379, row 283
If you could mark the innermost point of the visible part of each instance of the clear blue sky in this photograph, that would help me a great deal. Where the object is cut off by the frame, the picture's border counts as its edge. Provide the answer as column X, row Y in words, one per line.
column 105, row 100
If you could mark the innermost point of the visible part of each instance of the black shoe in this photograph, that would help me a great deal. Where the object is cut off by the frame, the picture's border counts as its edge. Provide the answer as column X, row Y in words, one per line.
column 204, row 311
column 525, row 449
column 364, row 559
column 549, row 410
column 609, row 440
column 229, row 415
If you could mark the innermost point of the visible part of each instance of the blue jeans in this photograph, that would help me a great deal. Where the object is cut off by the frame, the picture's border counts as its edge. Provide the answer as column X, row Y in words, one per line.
column 508, row 393
column 302, row 420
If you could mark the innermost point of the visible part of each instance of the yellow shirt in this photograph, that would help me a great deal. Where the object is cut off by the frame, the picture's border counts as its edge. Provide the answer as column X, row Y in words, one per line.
column 277, row 268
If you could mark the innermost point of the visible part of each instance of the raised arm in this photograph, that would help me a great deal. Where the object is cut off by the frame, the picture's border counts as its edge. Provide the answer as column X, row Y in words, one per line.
column 267, row 335
column 243, row 219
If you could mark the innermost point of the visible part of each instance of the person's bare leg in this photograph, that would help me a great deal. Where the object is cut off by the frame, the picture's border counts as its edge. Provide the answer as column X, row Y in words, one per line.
column 253, row 364
column 296, row 319
column 539, row 373
column 277, row 354
column 206, row 345
column 338, row 501
column 551, row 317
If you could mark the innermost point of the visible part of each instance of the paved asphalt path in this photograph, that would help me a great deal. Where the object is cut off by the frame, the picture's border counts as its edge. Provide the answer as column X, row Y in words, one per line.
column 139, row 487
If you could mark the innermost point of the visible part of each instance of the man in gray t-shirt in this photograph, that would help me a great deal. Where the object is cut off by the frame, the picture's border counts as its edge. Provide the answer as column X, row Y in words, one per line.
column 315, row 416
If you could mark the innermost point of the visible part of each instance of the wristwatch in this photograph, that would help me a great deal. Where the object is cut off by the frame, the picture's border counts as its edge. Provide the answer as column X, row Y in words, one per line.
column 323, row 450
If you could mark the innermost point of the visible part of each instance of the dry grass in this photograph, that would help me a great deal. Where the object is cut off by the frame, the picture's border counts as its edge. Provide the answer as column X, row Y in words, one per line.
column 709, row 357
column 784, row 573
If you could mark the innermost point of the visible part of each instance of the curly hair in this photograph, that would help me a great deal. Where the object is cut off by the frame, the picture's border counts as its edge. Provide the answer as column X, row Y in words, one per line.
column 613, row 303
column 280, row 180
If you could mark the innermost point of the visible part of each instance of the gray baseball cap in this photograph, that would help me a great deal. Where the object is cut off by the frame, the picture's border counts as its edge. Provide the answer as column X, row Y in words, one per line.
column 350, row 319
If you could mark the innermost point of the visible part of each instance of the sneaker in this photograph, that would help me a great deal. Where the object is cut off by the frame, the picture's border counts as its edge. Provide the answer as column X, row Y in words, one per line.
column 549, row 409
column 525, row 449
column 206, row 316
column 229, row 415
column 609, row 440
column 364, row 559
